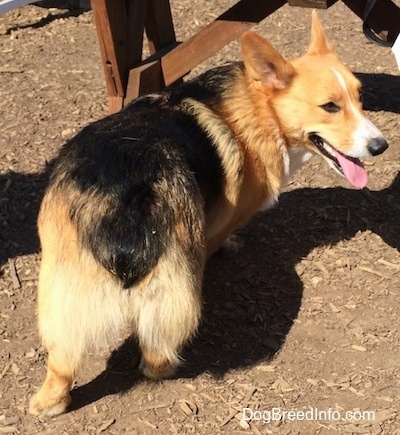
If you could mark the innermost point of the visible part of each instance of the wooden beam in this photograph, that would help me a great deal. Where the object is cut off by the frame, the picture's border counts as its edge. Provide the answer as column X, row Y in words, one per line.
column 143, row 80
column 147, row 77
column 227, row 27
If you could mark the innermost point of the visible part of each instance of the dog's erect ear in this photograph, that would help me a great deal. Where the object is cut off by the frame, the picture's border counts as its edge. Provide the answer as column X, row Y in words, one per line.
column 264, row 63
column 318, row 44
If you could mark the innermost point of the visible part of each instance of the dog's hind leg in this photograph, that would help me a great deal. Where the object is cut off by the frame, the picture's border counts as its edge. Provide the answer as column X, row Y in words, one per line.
column 56, row 324
column 167, row 312
column 54, row 397
column 81, row 308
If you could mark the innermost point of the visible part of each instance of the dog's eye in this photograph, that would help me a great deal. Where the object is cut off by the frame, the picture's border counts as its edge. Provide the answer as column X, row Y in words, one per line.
column 330, row 107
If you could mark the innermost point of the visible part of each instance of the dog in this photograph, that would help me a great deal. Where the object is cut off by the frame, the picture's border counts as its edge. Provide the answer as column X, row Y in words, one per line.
column 139, row 200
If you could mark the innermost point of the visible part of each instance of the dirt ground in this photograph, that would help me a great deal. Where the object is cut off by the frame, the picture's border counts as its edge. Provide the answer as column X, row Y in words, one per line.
column 304, row 318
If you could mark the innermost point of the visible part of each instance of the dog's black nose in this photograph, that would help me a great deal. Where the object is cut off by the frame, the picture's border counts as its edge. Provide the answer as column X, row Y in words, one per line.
column 377, row 146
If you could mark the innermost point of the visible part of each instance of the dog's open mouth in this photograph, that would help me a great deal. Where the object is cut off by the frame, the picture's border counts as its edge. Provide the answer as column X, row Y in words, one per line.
column 349, row 167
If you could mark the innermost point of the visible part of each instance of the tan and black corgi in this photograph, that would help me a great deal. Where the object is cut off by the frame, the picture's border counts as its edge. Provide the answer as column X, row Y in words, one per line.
column 139, row 200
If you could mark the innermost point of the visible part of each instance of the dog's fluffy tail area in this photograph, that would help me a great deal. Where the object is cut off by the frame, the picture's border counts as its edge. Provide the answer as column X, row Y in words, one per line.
column 81, row 306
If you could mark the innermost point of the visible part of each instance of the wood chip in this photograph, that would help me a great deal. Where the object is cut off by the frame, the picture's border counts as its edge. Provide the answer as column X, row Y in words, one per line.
column 323, row 269
column 9, row 421
column 229, row 418
column 359, row 348
column 245, row 402
column 384, row 415
column 31, row 353
column 148, row 423
column 256, row 430
column 8, row 429
column 13, row 273
column 15, row 369
column 188, row 407
column 208, row 397
column 315, row 280
column 11, row 70
column 386, row 398
column 353, row 390
column 281, row 385
column 105, row 425
column 388, row 264
column 330, row 384
column 334, row 308
column 244, row 424
column 191, row 387
column 372, row 271
column 151, row 407
column 266, row 368
column 5, row 370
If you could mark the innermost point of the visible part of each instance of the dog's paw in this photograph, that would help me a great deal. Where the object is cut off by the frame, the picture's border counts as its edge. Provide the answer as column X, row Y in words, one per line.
column 48, row 407
column 232, row 245
column 156, row 372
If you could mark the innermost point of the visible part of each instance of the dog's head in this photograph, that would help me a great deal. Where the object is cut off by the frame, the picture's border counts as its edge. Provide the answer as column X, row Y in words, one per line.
column 317, row 102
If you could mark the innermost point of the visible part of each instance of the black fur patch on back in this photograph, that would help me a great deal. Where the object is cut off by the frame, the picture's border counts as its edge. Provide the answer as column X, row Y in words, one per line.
column 121, row 216
column 131, row 176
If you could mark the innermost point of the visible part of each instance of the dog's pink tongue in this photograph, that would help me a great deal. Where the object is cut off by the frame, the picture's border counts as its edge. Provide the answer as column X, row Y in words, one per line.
column 353, row 170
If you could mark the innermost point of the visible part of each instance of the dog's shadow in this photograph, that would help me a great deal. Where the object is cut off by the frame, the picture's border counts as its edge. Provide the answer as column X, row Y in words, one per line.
column 68, row 8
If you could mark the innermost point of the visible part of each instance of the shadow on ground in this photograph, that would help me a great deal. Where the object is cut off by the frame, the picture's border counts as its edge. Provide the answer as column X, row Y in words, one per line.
column 376, row 88
column 72, row 9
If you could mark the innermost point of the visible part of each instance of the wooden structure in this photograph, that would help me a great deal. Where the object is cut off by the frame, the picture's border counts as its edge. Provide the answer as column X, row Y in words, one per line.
column 121, row 25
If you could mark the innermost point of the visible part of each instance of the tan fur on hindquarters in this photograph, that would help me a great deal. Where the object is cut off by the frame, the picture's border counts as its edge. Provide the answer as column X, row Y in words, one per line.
column 82, row 307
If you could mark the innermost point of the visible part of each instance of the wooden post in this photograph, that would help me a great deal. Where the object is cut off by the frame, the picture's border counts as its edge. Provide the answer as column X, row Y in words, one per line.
column 160, row 32
column 120, row 27
column 159, row 25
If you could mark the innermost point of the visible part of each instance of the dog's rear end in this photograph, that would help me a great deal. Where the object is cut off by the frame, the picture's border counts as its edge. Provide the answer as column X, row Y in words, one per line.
column 123, row 255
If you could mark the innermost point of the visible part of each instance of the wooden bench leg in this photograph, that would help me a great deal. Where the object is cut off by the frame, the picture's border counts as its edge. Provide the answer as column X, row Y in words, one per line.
column 161, row 37
column 120, row 27
column 159, row 25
